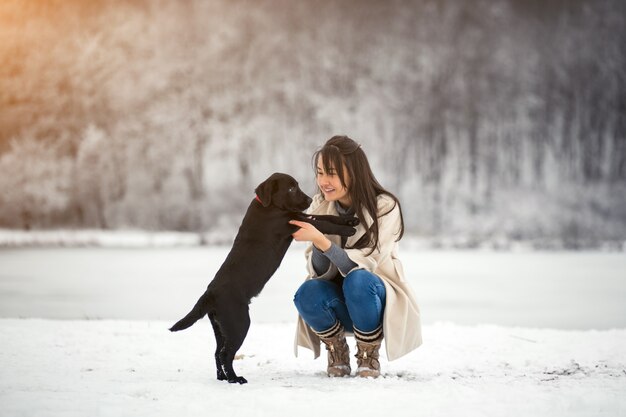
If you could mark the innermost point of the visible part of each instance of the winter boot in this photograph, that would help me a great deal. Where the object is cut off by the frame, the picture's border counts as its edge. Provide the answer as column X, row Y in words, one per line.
column 338, row 351
column 368, row 345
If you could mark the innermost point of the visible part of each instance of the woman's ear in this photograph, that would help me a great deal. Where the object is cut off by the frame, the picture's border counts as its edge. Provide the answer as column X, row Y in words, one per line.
column 265, row 190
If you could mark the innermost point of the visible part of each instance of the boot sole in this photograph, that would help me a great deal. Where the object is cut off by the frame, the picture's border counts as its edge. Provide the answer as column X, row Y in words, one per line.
column 338, row 371
column 367, row 373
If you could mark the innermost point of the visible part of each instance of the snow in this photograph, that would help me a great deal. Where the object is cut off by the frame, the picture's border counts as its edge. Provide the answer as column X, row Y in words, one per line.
column 116, row 368
column 565, row 290
column 505, row 333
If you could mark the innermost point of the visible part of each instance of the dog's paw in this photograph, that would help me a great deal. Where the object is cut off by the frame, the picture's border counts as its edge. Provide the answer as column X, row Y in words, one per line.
column 238, row 380
column 345, row 231
column 353, row 222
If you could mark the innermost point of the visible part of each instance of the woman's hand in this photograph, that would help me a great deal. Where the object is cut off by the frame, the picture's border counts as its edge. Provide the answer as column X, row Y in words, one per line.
column 309, row 233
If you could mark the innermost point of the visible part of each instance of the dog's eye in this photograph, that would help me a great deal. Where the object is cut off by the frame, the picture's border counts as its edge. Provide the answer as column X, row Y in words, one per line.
column 292, row 190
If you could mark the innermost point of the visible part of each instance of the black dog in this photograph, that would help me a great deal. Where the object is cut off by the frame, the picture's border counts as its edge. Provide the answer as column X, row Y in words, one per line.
column 260, row 245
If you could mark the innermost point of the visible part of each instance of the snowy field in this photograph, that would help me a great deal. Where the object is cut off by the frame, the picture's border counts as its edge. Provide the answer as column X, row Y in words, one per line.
column 564, row 290
column 505, row 333
column 136, row 368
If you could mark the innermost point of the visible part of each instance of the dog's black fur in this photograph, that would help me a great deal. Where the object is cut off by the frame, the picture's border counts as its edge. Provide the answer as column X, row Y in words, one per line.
column 260, row 245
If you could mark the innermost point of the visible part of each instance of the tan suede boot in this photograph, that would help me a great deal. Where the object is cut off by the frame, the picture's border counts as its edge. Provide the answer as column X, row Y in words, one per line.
column 338, row 353
column 367, row 354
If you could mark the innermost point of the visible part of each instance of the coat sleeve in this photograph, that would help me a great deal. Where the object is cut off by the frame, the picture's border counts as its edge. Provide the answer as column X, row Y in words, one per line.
column 331, row 272
column 388, row 231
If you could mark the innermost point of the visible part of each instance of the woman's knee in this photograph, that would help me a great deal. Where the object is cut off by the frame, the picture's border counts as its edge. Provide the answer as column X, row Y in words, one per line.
column 309, row 295
column 357, row 281
column 361, row 284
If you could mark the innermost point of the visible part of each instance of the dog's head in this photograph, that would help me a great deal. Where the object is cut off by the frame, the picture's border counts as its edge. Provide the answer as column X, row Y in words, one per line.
column 282, row 191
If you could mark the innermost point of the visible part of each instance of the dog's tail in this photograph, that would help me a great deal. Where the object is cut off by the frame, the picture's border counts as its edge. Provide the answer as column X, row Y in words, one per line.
column 197, row 312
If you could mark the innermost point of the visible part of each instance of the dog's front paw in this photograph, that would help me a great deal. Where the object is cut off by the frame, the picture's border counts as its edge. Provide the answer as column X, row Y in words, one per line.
column 353, row 222
column 238, row 380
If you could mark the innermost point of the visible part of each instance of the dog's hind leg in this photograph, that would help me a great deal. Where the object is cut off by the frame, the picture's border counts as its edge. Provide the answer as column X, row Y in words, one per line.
column 234, row 323
column 219, row 341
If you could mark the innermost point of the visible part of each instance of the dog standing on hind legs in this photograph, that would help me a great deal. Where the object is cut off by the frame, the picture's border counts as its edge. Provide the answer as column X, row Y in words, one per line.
column 259, row 247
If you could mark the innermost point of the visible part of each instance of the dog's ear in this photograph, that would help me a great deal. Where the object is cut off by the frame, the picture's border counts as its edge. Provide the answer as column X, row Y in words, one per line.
column 265, row 190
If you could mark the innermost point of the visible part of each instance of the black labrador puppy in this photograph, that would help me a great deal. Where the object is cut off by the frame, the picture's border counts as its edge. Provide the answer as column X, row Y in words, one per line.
column 260, row 245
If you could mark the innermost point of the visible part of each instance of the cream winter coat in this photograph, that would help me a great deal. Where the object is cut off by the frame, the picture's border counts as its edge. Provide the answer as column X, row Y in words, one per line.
column 401, row 320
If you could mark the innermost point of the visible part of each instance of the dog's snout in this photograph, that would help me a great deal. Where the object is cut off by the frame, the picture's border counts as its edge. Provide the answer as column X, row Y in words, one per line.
column 304, row 201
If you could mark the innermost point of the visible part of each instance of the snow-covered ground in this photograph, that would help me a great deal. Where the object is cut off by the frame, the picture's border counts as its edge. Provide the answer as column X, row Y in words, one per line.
column 565, row 290
column 505, row 333
column 126, row 368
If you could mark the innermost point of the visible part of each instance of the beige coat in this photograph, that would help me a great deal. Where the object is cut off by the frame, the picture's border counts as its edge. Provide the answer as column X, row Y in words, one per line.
column 401, row 321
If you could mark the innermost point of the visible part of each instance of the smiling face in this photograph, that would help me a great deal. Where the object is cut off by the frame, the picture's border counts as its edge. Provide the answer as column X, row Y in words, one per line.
column 330, row 184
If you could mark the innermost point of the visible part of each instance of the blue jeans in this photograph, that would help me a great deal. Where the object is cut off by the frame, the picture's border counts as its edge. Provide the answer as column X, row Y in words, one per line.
column 360, row 304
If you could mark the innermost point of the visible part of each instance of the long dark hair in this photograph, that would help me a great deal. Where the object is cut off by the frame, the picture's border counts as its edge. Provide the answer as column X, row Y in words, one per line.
column 341, row 151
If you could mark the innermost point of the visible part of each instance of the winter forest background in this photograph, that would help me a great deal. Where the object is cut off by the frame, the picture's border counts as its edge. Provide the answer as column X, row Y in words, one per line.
column 492, row 120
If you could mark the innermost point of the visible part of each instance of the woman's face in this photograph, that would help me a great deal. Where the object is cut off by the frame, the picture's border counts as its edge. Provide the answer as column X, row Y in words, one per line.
column 331, row 186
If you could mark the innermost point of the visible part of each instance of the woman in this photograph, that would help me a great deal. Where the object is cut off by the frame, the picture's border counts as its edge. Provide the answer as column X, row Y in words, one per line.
column 355, row 285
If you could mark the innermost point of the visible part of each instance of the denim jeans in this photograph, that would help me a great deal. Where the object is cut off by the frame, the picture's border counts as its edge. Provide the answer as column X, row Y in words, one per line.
column 359, row 304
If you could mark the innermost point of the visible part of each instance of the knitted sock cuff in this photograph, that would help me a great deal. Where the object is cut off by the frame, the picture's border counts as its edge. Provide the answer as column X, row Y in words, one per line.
column 369, row 337
column 333, row 331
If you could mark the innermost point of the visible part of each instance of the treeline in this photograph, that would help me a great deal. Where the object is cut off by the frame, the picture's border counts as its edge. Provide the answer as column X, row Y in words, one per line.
column 491, row 120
